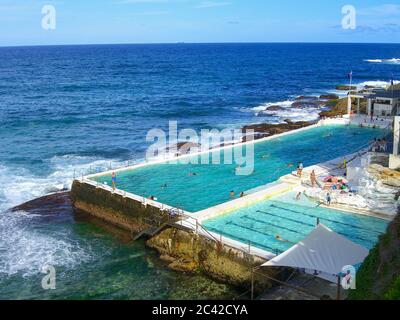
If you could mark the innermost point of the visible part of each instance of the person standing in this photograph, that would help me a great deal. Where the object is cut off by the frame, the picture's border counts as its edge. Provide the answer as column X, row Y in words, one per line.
column 313, row 178
column 300, row 168
column 328, row 199
column 114, row 180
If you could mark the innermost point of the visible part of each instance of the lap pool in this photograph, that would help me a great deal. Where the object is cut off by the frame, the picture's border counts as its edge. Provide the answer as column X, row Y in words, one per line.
column 292, row 221
column 171, row 183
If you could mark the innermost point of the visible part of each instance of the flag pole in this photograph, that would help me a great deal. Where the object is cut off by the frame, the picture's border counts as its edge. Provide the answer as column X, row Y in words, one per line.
column 392, row 85
column 349, row 94
column 392, row 82
column 351, row 79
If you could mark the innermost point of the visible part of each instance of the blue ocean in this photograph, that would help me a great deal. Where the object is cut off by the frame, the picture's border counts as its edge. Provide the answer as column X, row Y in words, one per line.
column 65, row 109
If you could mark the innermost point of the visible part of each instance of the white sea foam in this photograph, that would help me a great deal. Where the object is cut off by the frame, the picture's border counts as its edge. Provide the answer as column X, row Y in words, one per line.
column 21, row 185
column 374, row 60
column 286, row 111
column 24, row 244
column 25, row 249
column 384, row 61
column 377, row 83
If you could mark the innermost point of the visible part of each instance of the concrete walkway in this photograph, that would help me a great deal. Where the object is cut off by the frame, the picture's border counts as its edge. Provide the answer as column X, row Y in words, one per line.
column 318, row 289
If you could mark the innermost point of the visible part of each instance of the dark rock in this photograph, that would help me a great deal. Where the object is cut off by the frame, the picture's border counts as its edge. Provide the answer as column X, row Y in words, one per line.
column 185, row 147
column 307, row 104
column 306, row 98
column 329, row 97
column 345, row 88
column 266, row 129
column 275, row 108
column 49, row 204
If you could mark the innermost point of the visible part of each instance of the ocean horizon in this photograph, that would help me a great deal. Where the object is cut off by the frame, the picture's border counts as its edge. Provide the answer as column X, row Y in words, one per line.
column 191, row 43
column 68, row 108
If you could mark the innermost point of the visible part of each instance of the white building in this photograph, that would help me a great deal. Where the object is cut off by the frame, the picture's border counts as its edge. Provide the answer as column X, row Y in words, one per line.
column 382, row 104
column 394, row 160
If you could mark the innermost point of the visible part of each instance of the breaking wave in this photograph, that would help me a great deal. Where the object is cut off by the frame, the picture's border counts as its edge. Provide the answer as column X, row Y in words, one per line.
column 384, row 61
column 377, row 83
column 21, row 185
column 26, row 242
column 278, row 112
column 25, row 249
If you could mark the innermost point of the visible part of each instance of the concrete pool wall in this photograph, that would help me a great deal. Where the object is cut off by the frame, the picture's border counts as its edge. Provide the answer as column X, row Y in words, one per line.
column 91, row 196
column 136, row 213
column 325, row 122
column 127, row 211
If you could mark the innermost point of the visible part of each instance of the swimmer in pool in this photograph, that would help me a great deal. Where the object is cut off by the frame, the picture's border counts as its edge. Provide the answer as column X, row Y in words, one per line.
column 232, row 194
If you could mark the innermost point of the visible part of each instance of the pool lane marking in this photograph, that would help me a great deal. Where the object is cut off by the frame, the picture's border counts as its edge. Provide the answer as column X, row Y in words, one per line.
column 245, row 241
column 273, row 225
column 255, row 231
column 293, row 220
column 326, row 219
column 339, row 232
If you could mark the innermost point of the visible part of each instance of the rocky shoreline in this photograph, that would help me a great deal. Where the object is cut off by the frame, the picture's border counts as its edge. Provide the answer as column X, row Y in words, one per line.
column 330, row 105
column 264, row 130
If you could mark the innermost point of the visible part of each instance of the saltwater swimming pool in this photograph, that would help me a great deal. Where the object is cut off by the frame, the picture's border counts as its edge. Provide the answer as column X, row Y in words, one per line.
column 292, row 221
column 171, row 184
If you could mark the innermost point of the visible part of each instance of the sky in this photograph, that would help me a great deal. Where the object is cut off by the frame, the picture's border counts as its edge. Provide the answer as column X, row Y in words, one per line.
column 196, row 21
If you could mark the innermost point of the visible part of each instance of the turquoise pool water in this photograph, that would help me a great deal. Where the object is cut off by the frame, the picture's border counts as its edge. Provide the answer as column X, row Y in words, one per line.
column 293, row 220
column 213, row 183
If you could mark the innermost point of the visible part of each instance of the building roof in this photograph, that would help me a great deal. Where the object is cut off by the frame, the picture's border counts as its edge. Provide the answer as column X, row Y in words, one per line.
column 384, row 94
column 395, row 94
column 322, row 250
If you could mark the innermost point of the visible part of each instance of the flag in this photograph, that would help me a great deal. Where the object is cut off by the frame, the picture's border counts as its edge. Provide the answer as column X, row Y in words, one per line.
column 351, row 75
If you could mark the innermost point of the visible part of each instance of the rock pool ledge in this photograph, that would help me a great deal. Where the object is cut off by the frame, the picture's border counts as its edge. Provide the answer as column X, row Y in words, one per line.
column 186, row 251
column 127, row 212
column 182, row 245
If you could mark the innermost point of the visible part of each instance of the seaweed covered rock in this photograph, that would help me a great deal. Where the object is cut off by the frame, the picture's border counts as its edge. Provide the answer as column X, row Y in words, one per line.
column 345, row 87
column 379, row 276
column 186, row 251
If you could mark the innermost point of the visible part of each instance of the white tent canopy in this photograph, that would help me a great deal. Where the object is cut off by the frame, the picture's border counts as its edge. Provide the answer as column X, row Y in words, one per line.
column 322, row 250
